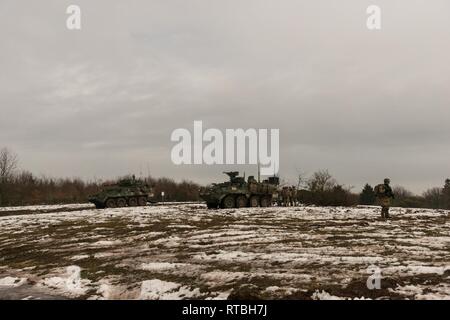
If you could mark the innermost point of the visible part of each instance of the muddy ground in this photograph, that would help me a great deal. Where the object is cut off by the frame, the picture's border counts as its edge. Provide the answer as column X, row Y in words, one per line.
column 189, row 252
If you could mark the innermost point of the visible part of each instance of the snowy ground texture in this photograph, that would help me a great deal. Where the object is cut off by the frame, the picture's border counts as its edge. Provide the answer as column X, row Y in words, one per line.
column 189, row 252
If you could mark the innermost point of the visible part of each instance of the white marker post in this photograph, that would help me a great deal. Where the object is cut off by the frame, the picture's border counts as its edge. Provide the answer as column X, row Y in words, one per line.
column 162, row 196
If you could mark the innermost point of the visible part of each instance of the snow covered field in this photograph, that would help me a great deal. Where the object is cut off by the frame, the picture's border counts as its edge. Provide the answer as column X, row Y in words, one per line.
column 46, row 207
column 189, row 252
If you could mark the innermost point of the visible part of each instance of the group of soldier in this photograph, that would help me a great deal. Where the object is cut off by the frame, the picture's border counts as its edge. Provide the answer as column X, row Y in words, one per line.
column 289, row 197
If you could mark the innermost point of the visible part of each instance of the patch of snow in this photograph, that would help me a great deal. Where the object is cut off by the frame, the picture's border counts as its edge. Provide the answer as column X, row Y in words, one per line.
column 323, row 295
column 226, row 255
column 80, row 257
column 428, row 269
column 169, row 242
column 101, row 255
column 47, row 207
column 272, row 288
column 161, row 266
column 106, row 243
column 72, row 284
column 417, row 269
column 12, row 282
column 106, row 290
column 182, row 226
column 222, row 277
column 156, row 289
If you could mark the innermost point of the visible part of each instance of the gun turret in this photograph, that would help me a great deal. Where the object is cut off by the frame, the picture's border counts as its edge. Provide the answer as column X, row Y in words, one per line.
column 274, row 180
column 232, row 174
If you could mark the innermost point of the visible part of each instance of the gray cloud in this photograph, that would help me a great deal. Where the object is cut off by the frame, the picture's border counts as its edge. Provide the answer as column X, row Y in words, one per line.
column 103, row 101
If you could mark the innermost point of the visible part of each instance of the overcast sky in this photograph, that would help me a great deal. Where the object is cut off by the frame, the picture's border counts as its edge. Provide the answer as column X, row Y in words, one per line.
column 103, row 101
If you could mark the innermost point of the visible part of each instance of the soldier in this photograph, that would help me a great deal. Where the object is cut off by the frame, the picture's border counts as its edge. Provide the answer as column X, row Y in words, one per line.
column 292, row 196
column 285, row 196
column 384, row 194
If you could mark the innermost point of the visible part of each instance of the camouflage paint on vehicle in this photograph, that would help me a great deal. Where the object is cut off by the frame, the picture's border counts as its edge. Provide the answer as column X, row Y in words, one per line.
column 238, row 193
column 127, row 192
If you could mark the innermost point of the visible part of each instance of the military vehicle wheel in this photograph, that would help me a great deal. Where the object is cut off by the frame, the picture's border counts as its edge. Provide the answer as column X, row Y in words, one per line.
column 111, row 203
column 241, row 202
column 132, row 202
column 228, row 202
column 142, row 201
column 254, row 201
column 265, row 202
column 121, row 202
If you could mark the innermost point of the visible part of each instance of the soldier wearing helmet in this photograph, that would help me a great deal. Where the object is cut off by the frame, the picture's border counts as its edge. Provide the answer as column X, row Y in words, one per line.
column 384, row 194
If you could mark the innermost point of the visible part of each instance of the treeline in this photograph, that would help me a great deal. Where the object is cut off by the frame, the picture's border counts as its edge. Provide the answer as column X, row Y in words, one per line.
column 23, row 188
column 26, row 189
column 434, row 198
column 174, row 191
column 19, row 188
column 322, row 189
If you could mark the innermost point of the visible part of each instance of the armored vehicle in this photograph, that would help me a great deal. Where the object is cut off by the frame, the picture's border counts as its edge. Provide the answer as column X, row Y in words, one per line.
column 126, row 192
column 238, row 192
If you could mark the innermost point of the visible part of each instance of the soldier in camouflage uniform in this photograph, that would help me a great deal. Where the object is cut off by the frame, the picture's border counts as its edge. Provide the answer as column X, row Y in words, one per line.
column 292, row 196
column 285, row 193
column 384, row 194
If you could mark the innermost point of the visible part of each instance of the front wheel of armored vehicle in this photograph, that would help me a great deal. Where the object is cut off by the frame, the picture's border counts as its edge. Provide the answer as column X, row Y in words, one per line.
column 111, row 203
column 142, row 201
column 121, row 202
column 241, row 202
column 254, row 201
column 228, row 202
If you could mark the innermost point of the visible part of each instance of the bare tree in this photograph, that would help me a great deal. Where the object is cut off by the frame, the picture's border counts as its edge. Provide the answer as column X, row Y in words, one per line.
column 8, row 164
column 402, row 193
column 433, row 197
column 321, row 181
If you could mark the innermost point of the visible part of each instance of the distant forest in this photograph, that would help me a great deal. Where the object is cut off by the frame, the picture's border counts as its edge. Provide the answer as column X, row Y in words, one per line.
column 322, row 189
column 21, row 187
